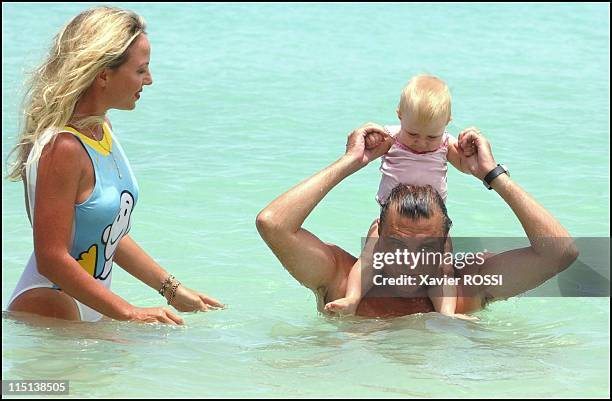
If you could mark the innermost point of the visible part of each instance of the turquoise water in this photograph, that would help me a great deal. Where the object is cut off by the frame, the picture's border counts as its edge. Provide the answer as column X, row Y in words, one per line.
column 248, row 100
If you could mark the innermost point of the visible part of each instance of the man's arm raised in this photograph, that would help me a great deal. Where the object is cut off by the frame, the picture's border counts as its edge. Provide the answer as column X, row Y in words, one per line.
column 551, row 249
column 308, row 259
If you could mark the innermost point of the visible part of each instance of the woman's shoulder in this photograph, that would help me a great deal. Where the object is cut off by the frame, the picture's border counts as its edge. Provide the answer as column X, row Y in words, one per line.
column 61, row 166
column 64, row 149
column 65, row 141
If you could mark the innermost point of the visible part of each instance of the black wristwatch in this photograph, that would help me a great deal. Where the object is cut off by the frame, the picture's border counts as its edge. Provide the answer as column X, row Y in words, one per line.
column 493, row 174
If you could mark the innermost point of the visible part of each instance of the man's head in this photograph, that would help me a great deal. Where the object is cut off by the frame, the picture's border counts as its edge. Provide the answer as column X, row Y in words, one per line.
column 424, row 111
column 414, row 212
column 413, row 220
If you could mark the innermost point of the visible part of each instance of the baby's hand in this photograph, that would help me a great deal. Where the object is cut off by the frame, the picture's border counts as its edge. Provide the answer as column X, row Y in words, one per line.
column 342, row 306
column 465, row 317
column 373, row 139
column 467, row 147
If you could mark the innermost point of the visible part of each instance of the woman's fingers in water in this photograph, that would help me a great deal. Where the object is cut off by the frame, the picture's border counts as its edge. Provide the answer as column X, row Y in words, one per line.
column 211, row 302
column 155, row 315
column 173, row 318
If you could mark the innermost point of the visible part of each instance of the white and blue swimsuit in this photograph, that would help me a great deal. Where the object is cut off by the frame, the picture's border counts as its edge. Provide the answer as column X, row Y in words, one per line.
column 100, row 222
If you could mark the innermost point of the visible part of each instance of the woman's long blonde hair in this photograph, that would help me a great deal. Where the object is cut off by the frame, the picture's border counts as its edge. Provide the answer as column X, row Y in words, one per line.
column 95, row 39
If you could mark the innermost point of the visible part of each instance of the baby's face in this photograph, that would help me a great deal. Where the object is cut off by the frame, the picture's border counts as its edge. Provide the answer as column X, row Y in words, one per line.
column 421, row 137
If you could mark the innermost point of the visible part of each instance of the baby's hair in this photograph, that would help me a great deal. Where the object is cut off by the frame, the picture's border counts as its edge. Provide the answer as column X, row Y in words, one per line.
column 426, row 98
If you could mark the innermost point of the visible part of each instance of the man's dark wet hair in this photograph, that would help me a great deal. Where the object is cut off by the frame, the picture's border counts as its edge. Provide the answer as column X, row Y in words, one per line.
column 416, row 202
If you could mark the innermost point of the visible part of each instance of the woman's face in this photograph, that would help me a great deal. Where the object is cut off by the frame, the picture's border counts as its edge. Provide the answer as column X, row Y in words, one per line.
column 125, row 83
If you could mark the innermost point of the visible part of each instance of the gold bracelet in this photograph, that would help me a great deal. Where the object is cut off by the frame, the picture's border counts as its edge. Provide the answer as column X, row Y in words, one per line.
column 173, row 292
column 167, row 283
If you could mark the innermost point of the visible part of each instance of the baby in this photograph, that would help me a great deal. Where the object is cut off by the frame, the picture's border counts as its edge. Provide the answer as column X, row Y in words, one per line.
column 418, row 157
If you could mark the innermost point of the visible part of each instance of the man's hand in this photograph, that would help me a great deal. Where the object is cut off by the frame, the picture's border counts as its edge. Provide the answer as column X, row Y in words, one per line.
column 475, row 152
column 363, row 150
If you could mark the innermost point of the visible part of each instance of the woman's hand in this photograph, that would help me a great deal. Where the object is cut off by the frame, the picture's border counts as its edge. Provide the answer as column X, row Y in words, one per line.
column 367, row 143
column 475, row 152
column 153, row 315
column 188, row 300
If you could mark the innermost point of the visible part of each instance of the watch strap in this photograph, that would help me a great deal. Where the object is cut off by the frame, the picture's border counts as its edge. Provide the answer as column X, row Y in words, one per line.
column 493, row 174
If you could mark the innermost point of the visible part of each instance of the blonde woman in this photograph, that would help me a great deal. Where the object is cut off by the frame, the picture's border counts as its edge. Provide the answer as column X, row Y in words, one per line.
column 79, row 188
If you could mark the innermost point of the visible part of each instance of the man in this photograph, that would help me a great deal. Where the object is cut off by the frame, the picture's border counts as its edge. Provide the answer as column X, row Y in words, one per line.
column 324, row 268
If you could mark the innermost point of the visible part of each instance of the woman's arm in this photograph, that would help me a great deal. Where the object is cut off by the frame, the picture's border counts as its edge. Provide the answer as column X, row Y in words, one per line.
column 59, row 176
column 133, row 259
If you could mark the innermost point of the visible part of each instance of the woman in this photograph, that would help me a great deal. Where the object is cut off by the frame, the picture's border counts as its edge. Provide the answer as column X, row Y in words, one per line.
column 79, row 187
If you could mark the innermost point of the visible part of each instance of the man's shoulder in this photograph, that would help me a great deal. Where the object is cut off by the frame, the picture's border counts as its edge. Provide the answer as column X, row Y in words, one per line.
column 342, row 258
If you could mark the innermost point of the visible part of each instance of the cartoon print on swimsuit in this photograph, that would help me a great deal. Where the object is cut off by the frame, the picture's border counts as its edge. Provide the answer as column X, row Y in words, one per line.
column 89, row 259
column 114, row 232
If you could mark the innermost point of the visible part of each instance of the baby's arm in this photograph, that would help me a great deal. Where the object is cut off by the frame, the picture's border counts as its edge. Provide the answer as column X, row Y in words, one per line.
column 348, row 304
column 446, row 302
column 361, row 269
